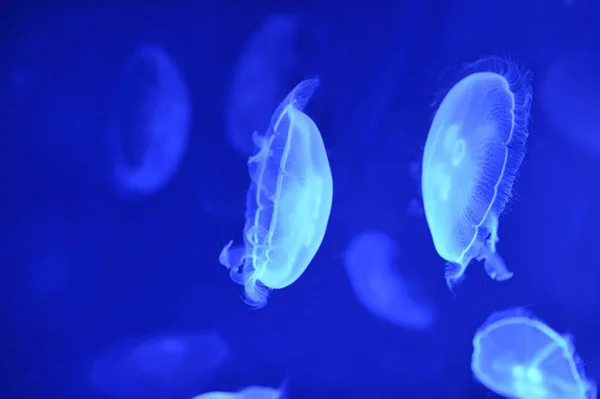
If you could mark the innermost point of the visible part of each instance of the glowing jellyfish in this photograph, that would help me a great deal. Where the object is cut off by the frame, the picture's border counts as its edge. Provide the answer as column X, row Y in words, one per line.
column 475, row 146
column 518, row 356
column 288, row 203
column 164, row 366
column 369, row 261
column 251, row 392
column 260, row 79
column 150, row 123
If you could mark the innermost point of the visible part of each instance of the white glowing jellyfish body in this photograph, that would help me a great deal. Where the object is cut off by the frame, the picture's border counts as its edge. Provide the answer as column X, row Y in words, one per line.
column 150, row 124
column 475, row 146
column 518, row 356
column 251, row 392
column 369, row 261
column 288, row 202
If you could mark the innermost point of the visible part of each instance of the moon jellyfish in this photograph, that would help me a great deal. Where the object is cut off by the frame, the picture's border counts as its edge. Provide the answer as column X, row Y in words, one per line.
column 288, row 203
column 518, row 356
column 260, row 78
column 149, row 128
column 369, row 261
column 165, row 366
column 251, row 392
column 472, row 155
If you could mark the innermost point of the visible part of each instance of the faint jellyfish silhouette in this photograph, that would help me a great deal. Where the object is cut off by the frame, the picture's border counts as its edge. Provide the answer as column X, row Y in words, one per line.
column 472, row 155
column 288, row 203
column 260, row 78
column 164, row 366
column 369, row 261
column 518, row 356
column 251, row 392
column 150, row 123
column 571, row 99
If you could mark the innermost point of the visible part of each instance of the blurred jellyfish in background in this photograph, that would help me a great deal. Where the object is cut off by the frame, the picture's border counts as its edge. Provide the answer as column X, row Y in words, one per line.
column 261, row 78
column 518, row 356
column 251, row 392
column 288, row 203
column 570, row 97
column 150, row 124
column 370, row 261
column 472, row 155
column 163, row 366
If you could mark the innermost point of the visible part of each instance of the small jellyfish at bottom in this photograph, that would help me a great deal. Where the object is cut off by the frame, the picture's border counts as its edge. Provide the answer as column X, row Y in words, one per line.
column 163, row 366
column 518, row 356
column 251, row 392
column 370, row 260
column 288, row 203
column 475, row 146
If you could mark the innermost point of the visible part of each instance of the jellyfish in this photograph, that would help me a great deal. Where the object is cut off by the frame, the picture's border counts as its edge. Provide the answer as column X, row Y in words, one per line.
column 161, row 366
column 251, row 392
column 288, row 203
column 518, row 356
column 369, row 261
column 150, row 123
column 260, row 78
column 473, row 152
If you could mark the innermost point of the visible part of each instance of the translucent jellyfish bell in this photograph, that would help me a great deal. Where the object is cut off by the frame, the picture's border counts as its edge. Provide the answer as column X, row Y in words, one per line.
column 158, row 367
column 518, row 356
column 150, row 122
column 473, row 152
column 251, row 392
column 370, row 263
column 288, row 202
column 259, row 80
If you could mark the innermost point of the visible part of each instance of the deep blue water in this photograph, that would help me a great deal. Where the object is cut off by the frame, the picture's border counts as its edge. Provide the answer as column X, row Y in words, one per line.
column 115, row 266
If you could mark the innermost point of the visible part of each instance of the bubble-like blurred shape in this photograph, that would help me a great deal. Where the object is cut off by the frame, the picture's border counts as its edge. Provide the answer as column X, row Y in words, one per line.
column 370, row 261
column 472, row 155
column 518, row 356
column 261, row 77
column 571, row 99
column 163, row 366
column 150, row 124
column 251, row 392
column 288, row 203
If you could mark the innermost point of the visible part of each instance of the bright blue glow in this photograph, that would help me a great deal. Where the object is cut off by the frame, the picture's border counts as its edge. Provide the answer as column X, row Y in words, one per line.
column 472, row 155
column 288, row 203
column 518, row 356
column 251, row 392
